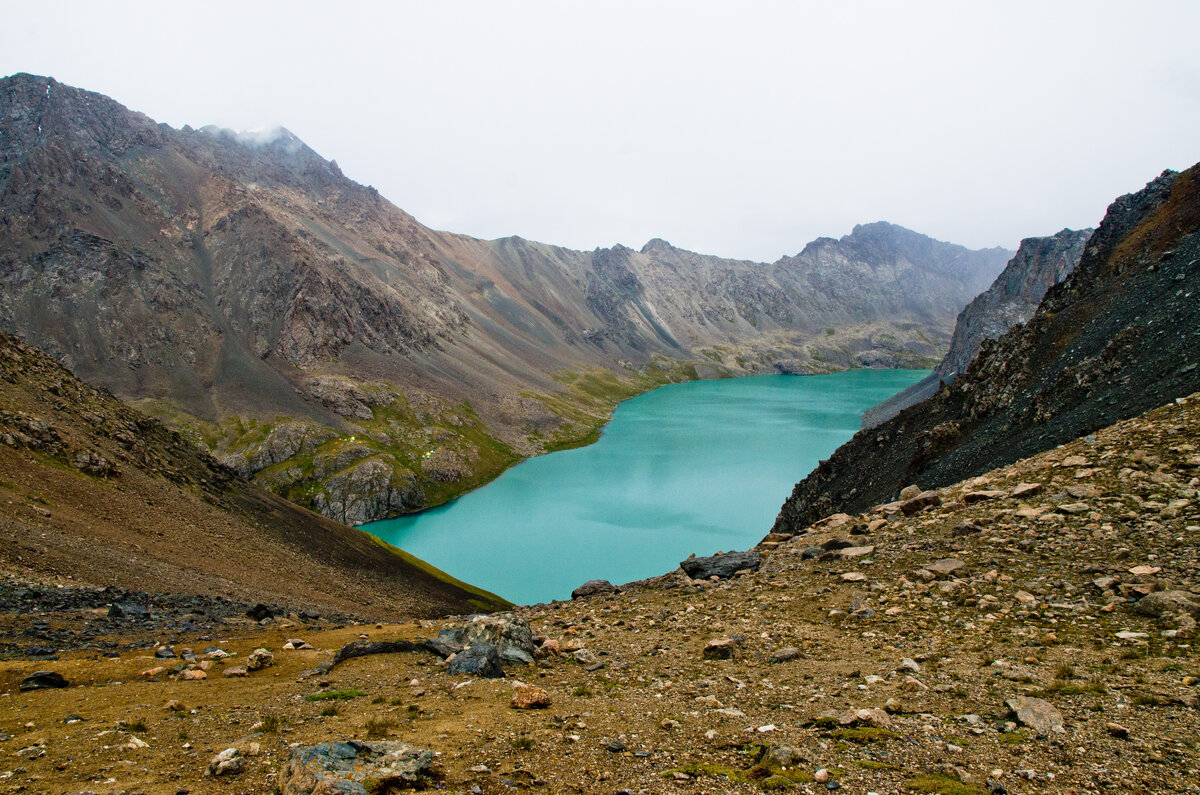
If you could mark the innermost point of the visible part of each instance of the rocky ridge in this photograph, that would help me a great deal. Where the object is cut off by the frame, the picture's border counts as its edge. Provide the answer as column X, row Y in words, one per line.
column 1028, row 631
column 1040, row 263
column 1113, row 339
column 323, row 342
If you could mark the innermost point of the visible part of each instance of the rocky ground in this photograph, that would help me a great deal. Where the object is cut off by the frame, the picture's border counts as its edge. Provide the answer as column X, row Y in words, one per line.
column 1027, row 631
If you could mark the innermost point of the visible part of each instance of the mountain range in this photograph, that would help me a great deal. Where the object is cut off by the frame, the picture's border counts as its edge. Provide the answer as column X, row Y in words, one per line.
column 323, row 342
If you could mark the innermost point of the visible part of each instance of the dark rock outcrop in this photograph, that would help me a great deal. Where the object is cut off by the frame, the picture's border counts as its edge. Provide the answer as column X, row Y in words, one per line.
column 1039, row 264
column 355, row 768
column 723, row 565
column 1116, row 338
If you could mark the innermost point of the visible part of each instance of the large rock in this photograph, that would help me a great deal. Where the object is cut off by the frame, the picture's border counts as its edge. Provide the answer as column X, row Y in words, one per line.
column 1162, row 603
column 502, row 630
column 349, row 768
column 592, row 588
column 480, row 660
column 722, row 565
column 41, row 680
column 1039, row 715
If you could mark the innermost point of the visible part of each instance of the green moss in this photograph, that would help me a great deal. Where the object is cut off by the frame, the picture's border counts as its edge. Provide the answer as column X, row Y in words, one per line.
column 864, row 735
column 941, row 785
column 776, row 783
column 710, row 770
column 336, row 695
column 1013, row 738
column 875, row 764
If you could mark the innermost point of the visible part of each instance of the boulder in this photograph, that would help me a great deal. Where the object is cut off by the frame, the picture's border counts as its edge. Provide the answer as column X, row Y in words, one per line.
column 259, row 659
column 1039, row 715
column 260, row 612
column 229, row 762
column 481, row 659
column 348, row 768
column 42, row 680
column 920, row 502
column 502, row 630
column 720, row 649
column 722, row 566
column 1162, row 603
column 530, row 697
column 593, row 588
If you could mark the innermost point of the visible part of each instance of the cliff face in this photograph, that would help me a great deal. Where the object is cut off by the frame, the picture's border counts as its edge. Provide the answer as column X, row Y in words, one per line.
column 1040, row 262
column 96, row 492
column 1115, row 338
column 320, row 340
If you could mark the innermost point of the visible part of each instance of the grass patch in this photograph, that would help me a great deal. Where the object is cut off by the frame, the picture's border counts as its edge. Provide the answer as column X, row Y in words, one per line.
column 522, row 743
column 582, row 692
column 329, row 711
column 1064, row 671
column 336, row 695
column 941, row 785
column 270, row 724
column 1013, row 738
column 137, row 725
column 708, row 770
column 377, row 728
column 864, row 735
column 875, row 764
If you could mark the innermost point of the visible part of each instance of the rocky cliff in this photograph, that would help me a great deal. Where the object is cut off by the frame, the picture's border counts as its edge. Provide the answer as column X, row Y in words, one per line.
column 97, row 494
column 1115, row 338
column 1040, row 263
column 323, row 342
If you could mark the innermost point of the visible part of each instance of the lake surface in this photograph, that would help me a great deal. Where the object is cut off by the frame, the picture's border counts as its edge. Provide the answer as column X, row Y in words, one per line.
column 696, row 467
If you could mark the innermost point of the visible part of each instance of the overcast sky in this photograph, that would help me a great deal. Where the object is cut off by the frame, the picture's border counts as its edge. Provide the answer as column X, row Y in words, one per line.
column 736, row 128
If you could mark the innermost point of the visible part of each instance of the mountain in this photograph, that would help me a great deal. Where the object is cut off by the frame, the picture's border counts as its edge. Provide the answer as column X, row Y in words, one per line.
column 1040, row 263
column 322, row 341
column 97, row 493
column 1120, row 335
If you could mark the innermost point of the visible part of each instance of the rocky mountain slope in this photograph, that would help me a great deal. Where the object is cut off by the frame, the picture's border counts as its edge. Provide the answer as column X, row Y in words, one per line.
column 1030, row 631
column 95, row 493
column 1119, row 335
column 1040, row 263
column 322, row 341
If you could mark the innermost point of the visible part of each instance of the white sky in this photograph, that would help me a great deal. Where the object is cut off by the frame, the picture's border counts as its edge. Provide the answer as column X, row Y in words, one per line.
column 736, row 128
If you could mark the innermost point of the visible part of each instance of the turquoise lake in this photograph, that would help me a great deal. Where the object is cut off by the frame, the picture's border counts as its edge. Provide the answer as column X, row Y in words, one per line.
column 695, row 467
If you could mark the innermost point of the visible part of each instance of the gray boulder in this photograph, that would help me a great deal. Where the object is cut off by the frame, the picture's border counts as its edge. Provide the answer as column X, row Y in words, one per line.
column 502, row 630
column 346, row 768
column 1162, row 603
column 722, row 566
column 592, row 588
column 480, row 660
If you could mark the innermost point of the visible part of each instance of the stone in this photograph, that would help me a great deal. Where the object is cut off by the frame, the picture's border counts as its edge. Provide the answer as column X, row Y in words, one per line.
column 150, row 673
column 1162, row 603
column 785, row 654
column 229, row 762
column 614, row 746
column 259, row 659
column 720, row 649
column 236, row 670
column 925, row 499
column 482, row 659
column 854, row 576
column 502, row 630
column 164, row 652
column 1024, row 597
column 980, row 496
column 855, row 552
column 909, row 492
column 43, row 680
column 593, row 588
column 349, row 768
column 945, row 567
column 260, row 612
column 863, row 717
column 1145, row 571
column 1117, row 730
column 441, row 647
column 530, row 697
column 193, row 675
column 128, row 610
column 722, row 566
column 510, row 655
column 174, row 705
column 778, row 756
column 1039, row 715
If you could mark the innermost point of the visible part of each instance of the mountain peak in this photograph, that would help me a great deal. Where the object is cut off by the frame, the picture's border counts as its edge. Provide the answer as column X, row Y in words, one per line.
column 656, row 244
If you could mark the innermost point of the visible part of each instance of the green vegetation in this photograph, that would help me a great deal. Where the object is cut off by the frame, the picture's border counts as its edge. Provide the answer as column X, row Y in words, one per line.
column 941, row 785
column 336, row 695
column 864, row 735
